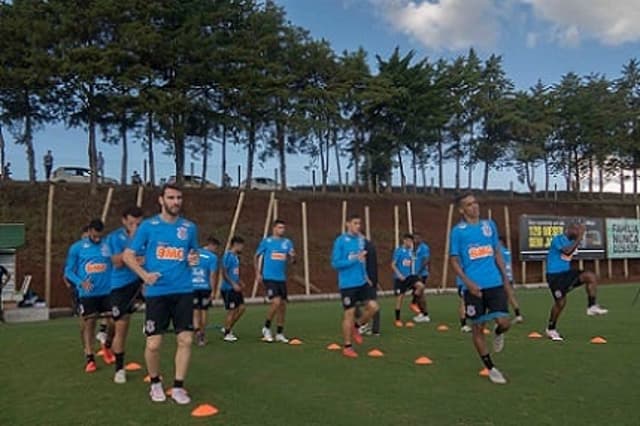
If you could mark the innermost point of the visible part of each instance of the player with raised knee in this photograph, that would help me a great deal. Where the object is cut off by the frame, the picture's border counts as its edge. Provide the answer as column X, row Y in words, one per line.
column 203, row 278
column 231, row 288
column 405, row 279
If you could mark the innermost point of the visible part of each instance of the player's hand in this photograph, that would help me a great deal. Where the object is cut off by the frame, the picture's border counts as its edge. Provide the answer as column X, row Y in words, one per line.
column 237, row 288
column 150, row 278
column 140, row 260
column 193, row 258
column 87, row 286
column 401, row 277
column 474, row 289
column 362, row 256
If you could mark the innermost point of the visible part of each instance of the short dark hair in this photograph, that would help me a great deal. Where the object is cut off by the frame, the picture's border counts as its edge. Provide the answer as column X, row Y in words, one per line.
column 96, row 225
column 407, row 236
column 169, row 186
column 133, row 211
column 353, row 216
column 278, row 222
column 458, row 199
column 213, row 240
column 237, row 240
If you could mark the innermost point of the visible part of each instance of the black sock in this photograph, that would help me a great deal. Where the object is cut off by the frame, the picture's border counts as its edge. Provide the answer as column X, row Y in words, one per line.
column 103, row 328
column 425, row 313
column 90, row 358
column 499, row 330
column 552, row 324
column 592, row 301
column 397, row 314
column 486, row 360
column 155, row 379
column 414, row 300
column 119, row 361
column 463, row 322
column 517, row 311
column 267, row 324
column 227, row 331
column 107, row 344
column 348, row 346
column 178, row 383
column 279, row 329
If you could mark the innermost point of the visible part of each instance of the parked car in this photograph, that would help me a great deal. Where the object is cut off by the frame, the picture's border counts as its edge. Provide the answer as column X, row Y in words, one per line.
column 192, row 181
column 261, row 183
column 73, row 174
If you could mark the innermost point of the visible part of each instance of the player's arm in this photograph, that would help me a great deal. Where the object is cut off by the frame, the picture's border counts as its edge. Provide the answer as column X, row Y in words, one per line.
column 116, row 256
column 257, row 261
column 227, row 278
column 395, row 269
column 71, row 267
column 468, row 283
column 501, row 266
column 338, row 258
column 291, row 255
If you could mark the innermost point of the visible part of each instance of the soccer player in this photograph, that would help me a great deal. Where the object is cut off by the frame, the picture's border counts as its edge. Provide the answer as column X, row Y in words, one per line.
column 271, row 259
column 562, row 279
column 169, row 243
column 405, row 279
column 349, row 258
column 88, row 267
column 125, row 286
column 511, row 293
column 477, row 260
column 231, row 288
column 203, row 278
column 422, row 265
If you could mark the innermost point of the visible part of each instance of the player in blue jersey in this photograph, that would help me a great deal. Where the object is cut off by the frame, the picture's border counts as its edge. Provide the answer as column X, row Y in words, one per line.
column 88, row 268
column 125, row 286
column 405, row 279
column 422, row 265
column 562, row 279
column 511, row 293
column 271, row 260
column 169, row 243
column 231, row 288
column 203, row 278
column 349, row 258
column 477, row 260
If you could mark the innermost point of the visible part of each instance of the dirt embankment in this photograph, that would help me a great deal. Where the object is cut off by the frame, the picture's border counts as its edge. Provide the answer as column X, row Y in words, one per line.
column 213, row 210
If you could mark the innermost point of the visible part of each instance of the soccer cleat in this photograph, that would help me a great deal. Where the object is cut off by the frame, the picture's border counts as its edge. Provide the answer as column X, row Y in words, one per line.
column 398, row 323
column 421, row 318
column 519, row 319
column 120, row 377
column 157, row 393
column 90, row 367
column 230, row 338
column 366, row 330
column 357, row 337
column 280, row 338
column 349, row 353
column 414, row 308
column 465, row 328
column 266, row 335
column 594, row 310
column 107, row 356
column 496, row 377
column 202, row 341
column 554, row 335
column 498, row 342
column 101, row 337
column 180, row 396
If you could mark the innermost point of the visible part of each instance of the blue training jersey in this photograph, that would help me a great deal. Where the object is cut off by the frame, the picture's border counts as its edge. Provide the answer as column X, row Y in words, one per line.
column 275, row 254
column 166, row 248
column 201, row 273
column 121, row 276
column 557, row 261
column 475, row 246
column 423, row 254
column 506, row 255
column 231, row 265
column 403, row 261
column 344, row 259
column 91, row 261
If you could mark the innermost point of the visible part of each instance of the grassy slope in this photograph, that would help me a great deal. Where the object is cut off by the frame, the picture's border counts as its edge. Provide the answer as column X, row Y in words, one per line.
column 254, row 383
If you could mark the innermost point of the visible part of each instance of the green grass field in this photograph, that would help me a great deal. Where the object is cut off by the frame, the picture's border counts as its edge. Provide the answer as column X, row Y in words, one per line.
column 570, row 383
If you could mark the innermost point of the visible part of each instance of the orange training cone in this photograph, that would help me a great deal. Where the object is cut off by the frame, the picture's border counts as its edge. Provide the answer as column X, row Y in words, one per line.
column 443, row 327
column 599, row 340
column 409, row 324
column 133, row 366
column 204, row 410
column 484, row 372
column 375, row 353
column 295, row 342
column 486, row 331
column 334, row 347
column 535, row 335
column 423, row 360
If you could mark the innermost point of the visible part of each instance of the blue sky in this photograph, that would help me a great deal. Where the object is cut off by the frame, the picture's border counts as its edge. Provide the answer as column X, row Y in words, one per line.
column 538, row 39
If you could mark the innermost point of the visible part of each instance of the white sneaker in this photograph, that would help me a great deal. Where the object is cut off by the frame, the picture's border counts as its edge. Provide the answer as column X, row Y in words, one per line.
column 365, row 330
column 266, row 335
column 421, row 318
column 498, row 342
column 230, row 337
column 180, row 396
column 120, row 377
column 280, row 338
column 466, row 328
column 554, row 335
column 101, row 337
column 519, row 319
column 496, row 377
column 157, row 392
column 596, row 310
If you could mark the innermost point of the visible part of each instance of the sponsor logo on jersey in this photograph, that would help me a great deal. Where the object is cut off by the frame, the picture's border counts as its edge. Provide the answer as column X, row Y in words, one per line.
column 480, row 252
column 406, row 262
column 169, row 253
column 278, row 256
column 95, row 268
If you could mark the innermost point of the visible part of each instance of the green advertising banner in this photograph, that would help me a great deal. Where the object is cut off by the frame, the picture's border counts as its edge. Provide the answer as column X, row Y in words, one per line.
column 623, row 238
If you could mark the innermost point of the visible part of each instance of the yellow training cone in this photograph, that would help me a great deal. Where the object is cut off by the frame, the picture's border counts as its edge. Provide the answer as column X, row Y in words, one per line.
column 204, row 410
column 334, row 347
column 443, row 327
column 375, row 353
column 133, row 366
column 295, row 342
column 409, row 324
column 599, row 340
column 484, row 372
column 535, row 335
column 423, row 360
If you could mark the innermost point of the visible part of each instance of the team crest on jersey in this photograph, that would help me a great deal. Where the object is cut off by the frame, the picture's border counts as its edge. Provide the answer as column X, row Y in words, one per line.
column 104, row 250
column 182, row 233
column 283, row 245
column 486, row 229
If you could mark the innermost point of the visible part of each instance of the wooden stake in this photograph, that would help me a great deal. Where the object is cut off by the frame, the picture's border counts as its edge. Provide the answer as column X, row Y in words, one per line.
column 581, row 264
column 139, row 196
column 597, row 267
column 447, row 242
column 507, row 228
column 625, row 264
column 343, row 224
column 47, row 247
column 409, row 217
column 367, row 225
column 609, row 268
column 524, row 272
column 267, row 220
column 305, row 243
column 234, row 223
column 489, row 214
column 396, row 226
column 276, row 216
column 107, row 204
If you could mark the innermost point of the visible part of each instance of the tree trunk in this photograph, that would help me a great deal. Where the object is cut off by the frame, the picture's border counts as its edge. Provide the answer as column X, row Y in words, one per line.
column 458, row 165
column 414, row 165
column 2, row 149
column 356, row 161
column 590, row 176
column 423, row 169
column 205, row 156
column 622, row 181
column 546, row 177
column 370, row 181
column 635, row 180
column 28, row 141
column 485, row 179
column 601, row 180
column 576, row 172
column 440, row 166
column 403, row 178
column 280, row 138
column 125, row 151
column 251, row 151
column 224, row 156
column 336, row 148
column 469, row 174
column 152, row 174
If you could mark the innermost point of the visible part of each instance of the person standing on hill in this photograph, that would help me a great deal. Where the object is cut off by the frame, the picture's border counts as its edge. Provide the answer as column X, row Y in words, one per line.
column 48, row 164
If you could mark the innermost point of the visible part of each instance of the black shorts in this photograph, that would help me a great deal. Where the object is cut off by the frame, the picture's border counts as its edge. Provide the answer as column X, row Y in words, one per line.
column 232, row 299
column 401, row 287
column 94, row 306
column 122, row 300
column 352, row 296
column 201, row 300
column 276, row 289
column 563, row 282
column 373, row 292
column 491, row 305
column 176, row 308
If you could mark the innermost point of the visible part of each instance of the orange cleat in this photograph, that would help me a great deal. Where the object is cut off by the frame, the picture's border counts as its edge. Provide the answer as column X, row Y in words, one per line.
column 357, row 337
column 349, row 353
column 107, row 356
column 414, row 308
column 90, row 367
column 398, row 323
